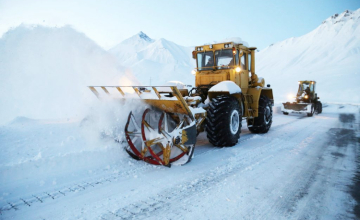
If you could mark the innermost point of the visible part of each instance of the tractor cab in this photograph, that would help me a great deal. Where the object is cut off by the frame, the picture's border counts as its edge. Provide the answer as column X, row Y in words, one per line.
column 227, row 61
column 306, row 91
column 218, row 59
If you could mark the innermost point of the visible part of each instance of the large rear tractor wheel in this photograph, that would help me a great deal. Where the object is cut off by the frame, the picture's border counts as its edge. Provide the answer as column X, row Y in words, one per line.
column 223, row 121
column 262, row 123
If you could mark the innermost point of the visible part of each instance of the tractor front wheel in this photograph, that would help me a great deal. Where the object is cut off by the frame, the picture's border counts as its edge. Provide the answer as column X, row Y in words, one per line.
column 312, row 111
column 223, row 121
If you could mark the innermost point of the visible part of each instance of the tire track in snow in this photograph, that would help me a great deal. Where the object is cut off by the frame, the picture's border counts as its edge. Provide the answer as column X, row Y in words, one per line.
column 157, row 204
column 304, row 177
column 59, row 193
column 238, row 163
column 243, row 138
column 27, row 201
column 315, row 173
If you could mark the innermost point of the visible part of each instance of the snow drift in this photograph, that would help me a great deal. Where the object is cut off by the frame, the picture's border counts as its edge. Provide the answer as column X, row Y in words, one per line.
column 45, row 72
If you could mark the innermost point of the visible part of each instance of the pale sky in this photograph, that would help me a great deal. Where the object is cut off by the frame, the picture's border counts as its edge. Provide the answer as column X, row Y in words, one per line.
column 187, row 22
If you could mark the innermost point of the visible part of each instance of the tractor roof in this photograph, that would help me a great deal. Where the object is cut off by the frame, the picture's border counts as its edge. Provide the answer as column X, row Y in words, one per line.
column 307, row 81
column 223, row 45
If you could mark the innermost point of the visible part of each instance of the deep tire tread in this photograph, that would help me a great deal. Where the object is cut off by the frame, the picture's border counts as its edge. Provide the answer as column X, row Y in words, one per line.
column 319, row 107
column 217, row 121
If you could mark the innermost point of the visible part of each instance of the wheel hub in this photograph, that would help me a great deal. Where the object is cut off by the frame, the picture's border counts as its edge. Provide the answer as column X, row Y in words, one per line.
column 267, row 114
column 158, row 142
column 234, row 122
column 176, row 140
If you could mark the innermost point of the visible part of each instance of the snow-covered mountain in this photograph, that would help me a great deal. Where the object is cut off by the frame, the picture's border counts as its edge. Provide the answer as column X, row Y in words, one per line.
column 128, row 48
column 155, row 61
column 330, row 54
column 44, row 72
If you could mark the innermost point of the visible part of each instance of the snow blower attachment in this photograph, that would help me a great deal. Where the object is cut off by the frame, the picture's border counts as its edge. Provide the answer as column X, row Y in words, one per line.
column 306, row 100
column 227, row 90
column 166, row 133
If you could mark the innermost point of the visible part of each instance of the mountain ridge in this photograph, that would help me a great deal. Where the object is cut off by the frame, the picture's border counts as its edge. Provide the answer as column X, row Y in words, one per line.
column 165, row 59
column 328, row 54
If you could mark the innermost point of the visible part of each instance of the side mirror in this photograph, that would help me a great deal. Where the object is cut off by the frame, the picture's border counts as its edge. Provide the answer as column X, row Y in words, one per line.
column 318, row 97
column 194, row 54
column 268, row 85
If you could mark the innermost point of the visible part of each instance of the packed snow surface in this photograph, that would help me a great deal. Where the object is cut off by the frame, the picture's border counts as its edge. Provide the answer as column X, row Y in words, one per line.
column 300, row 169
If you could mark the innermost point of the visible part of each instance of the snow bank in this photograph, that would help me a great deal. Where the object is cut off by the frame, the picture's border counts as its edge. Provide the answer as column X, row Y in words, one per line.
column 45, row 72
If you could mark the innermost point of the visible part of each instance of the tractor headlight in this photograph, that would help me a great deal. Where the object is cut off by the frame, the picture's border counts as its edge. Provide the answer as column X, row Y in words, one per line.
column 238, row 69
column 193, row 72
column 306, row 96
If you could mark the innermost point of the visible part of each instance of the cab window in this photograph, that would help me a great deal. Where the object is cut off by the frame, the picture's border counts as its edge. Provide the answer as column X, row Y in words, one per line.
column 205, row 60
column 242, row 62
column 237, row 58
column 246, row 66
column 311, row 87
column 249, row 63
column 224, row 59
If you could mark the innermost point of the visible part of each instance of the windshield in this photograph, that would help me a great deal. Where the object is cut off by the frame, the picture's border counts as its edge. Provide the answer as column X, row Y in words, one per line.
column 224, row 58
column 205, row 60
column 306, row 87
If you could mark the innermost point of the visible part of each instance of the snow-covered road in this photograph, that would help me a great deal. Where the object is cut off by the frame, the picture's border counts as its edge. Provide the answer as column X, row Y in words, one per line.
column 303, row 168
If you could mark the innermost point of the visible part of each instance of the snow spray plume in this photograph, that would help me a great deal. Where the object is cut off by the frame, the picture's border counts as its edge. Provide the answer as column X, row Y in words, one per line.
column 107, row 118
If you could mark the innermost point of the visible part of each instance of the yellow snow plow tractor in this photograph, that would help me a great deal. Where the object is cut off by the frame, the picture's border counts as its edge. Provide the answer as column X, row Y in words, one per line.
column 306, row 100
column 226, row 91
